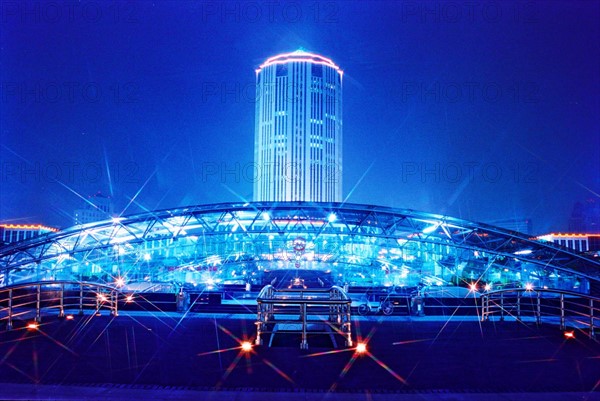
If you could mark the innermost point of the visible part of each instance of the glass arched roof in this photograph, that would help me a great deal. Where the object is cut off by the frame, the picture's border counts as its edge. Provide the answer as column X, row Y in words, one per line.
column 237, row 243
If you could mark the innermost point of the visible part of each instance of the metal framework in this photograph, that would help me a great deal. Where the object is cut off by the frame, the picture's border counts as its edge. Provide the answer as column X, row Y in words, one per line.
column 358, row 245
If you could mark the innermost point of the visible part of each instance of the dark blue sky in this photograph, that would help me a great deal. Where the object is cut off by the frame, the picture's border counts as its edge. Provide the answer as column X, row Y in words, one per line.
column 479, row 110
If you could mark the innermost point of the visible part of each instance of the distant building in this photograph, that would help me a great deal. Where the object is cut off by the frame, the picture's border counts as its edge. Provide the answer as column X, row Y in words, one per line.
column 98, row 207
column 585, row 217
column 520, row 225
column 10, row 233
column 298, row 132
column 577, row 242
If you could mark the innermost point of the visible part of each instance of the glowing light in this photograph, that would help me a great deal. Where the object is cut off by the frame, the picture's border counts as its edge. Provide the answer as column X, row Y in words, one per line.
column 120, row 282
column 147, row 257
column 430, row 229
column 102, row 298
column 569, row 335
column 473, row 287
column 487, row 287
column 299, row 56
column 246, row 346
column 529, row 287
column 361, row 348
column 29, row 227
column 33, row 326
column 331, row 217
column 524, row 252
column 116, row 220
column 129, row 299
column 561, row 235
column 265, row 216
column 69, row 317
column 213, row 260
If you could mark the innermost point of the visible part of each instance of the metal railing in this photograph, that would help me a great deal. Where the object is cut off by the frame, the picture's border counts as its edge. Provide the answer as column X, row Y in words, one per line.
column 331, row 307
column 573, row 308
column 21, row 300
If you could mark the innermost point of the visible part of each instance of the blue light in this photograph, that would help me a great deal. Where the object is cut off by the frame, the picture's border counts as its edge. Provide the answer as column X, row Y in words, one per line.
column 524, row 252
column 430, row 229
column 331, row 218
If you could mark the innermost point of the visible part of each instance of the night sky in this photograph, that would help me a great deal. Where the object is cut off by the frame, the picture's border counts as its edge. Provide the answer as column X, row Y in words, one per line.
column 478, row 110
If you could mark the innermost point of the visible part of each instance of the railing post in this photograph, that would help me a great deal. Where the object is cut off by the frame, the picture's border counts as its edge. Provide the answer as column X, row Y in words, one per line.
column 562, row 311
column 304, row 343
column 9, row 325
column 592, row 333
column 115, row 308
column 259, row 321
column 518, row 306
column 98, row 300
column 80, row 299
column 348, row 324
column 538, row 315
column 486, row 299
column 483, row 308
column 61, row 310
column 501, row 306
column 38, row 317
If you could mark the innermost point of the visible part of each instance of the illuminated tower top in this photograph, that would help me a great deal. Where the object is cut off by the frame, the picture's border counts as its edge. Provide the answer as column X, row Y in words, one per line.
column 300, row 56
column 298, row 132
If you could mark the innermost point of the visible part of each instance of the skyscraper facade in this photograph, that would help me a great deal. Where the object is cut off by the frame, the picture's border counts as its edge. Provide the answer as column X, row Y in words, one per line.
column 298, row 133
column 97, row 207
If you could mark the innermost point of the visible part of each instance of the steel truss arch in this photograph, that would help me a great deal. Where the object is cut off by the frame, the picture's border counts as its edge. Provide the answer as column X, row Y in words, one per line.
column 234, row 242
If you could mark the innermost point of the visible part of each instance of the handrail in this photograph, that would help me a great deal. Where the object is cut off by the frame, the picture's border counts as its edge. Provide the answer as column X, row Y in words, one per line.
column 54, row 282
column 269, row 293
column 265, row 292
column 339, row 311
column 565, row 309
column 543, row 290
column 105, row 297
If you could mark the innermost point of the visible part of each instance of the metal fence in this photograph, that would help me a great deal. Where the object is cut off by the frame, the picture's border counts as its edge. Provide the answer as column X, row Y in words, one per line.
column 21, row 301
column 569, row 308
column 293, row 308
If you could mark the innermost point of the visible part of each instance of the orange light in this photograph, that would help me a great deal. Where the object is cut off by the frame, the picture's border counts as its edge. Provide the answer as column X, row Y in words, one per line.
column 29, row 227
column 246, row 346
column 473, row 287
column 69, row 317
column 33, row 326
column 561, row 235
column 129, row 299
column 569, row 335
column 361, row 348
column 102, row 298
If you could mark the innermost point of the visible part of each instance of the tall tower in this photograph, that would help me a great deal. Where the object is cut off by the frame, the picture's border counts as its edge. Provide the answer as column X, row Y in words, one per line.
column 298, row 133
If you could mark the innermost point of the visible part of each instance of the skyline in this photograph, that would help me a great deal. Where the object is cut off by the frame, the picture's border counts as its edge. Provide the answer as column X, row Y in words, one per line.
column 477, row 116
